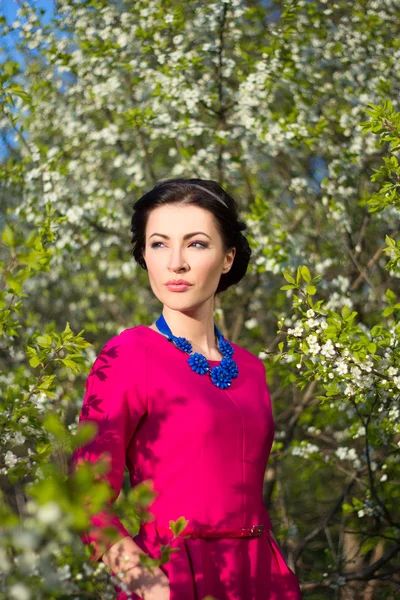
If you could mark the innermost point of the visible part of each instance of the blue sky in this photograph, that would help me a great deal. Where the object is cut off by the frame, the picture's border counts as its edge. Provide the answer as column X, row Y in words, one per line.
column 8, row 9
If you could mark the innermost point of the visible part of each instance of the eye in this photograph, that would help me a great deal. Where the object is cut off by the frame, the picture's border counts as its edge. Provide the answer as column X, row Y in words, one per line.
column 202, row 244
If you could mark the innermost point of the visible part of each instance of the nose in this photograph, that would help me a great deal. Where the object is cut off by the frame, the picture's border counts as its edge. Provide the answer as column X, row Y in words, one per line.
column 177, row 260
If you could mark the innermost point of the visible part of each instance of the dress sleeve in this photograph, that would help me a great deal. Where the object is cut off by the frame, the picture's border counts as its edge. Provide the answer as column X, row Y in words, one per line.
column 115, row 400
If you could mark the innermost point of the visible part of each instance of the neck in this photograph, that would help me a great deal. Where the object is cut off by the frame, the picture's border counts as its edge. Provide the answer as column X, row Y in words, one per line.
column 198, row 329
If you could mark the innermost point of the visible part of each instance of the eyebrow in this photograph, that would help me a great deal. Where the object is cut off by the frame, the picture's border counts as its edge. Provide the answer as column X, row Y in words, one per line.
column 185, row 237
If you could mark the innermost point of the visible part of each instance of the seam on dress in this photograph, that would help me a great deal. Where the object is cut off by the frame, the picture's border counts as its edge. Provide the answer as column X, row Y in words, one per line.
column 243, row 482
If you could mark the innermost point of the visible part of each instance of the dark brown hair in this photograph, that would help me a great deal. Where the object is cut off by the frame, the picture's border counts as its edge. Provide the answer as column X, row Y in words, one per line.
column 207, row 194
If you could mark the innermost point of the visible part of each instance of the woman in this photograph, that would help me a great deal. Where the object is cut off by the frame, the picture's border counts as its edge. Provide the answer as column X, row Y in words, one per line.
column 182, row 406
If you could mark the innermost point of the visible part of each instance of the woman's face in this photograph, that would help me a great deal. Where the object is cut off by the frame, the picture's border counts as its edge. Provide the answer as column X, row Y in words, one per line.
column 199, row 259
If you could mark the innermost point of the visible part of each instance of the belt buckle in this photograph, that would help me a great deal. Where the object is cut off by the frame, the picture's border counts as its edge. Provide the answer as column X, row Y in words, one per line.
column 256, row 530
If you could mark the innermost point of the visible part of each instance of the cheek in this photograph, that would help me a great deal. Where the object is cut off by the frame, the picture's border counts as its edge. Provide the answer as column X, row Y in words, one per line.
column 154, row 264
column 207, row 268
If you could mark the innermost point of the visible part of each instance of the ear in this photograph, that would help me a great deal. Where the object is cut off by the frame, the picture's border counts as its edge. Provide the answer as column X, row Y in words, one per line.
column 229, row 258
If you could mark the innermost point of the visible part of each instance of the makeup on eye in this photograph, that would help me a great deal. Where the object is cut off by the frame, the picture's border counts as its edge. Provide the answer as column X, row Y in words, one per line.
column 202, row 244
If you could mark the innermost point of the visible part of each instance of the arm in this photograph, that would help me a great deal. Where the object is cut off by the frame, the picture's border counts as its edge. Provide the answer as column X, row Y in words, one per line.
column 115, row 400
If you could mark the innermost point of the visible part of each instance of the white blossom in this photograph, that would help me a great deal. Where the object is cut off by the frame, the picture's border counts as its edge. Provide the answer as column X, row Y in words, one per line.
column 297, row 331
column 10, row 459
column 49, row 513
column 304, row 450
column 314, row 346
column 19, row 591
column 344, row 453
column 328, row 349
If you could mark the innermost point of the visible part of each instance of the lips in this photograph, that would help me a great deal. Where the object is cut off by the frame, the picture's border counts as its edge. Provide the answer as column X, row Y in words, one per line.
column 178, row 282
column 180, row 287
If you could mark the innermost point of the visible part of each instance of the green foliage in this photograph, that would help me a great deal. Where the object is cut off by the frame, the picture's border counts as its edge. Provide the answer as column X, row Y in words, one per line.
column 268, row 98
column 385, row 122
column 178, row 526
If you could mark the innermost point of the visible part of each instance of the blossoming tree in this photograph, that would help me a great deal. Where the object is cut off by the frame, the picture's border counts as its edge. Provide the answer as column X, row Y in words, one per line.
column 288, row 105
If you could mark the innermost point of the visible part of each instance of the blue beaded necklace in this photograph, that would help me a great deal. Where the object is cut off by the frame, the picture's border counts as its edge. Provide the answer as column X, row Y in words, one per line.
column 222, row 375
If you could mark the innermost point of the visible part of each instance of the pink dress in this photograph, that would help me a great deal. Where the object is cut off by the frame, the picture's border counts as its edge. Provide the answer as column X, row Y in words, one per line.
column 206, row 451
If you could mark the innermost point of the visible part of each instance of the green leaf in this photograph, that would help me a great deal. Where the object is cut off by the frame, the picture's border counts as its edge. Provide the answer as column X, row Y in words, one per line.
column 8, row 236
column 147, row 561
column 306, row 274
column 288, row 277
column 53, row 425
column 311, row 290
column 33, row 258
column 347, row 509
column 368, row 545
column 44, row 341
column 67, row 334
column 19, row 91
column 390, row 241
column 345, row 312
column 70, row 364
column 179, row 525
column 34, row 362
column 143, row 494
column 87, row 431
column 44, row 448
column 390, row 296
column 14, row 285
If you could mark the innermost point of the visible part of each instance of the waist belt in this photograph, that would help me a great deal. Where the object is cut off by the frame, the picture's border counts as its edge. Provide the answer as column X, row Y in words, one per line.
column 253, row 531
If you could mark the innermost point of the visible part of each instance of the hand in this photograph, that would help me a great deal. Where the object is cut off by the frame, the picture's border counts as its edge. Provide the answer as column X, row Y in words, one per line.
column 149, row 586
